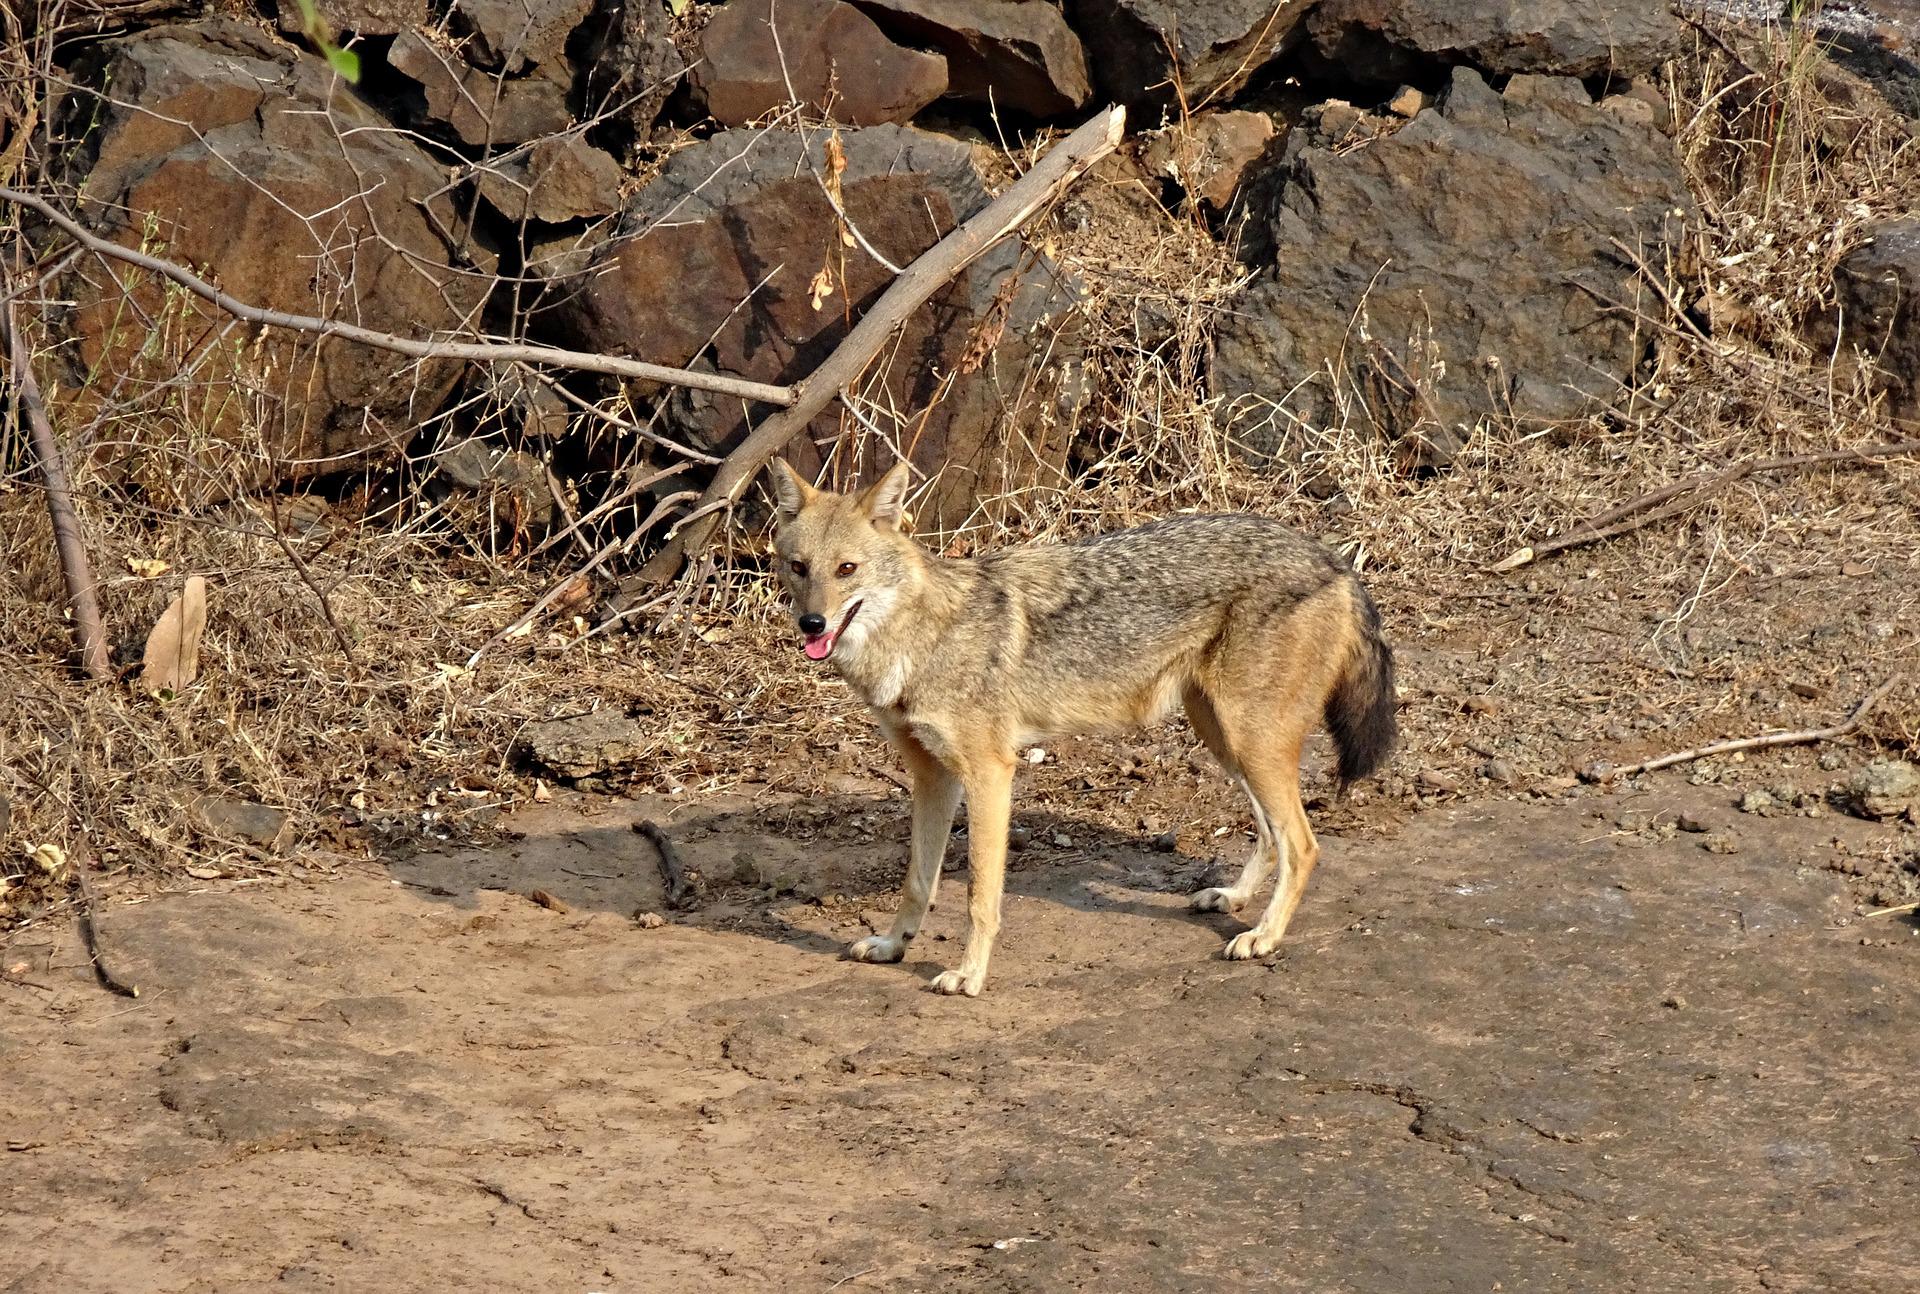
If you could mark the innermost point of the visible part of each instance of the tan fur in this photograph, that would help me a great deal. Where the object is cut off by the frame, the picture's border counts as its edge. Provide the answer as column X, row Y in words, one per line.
column 1255, row 630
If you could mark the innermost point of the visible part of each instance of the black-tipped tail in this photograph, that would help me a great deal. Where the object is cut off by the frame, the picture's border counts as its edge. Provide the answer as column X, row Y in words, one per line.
column 1360, row 710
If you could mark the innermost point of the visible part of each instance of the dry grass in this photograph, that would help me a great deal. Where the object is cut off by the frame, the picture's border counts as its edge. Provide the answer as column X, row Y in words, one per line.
column 1702, row 623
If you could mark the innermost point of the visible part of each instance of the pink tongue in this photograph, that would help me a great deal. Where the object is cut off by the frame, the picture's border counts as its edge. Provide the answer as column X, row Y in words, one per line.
column 819, row 646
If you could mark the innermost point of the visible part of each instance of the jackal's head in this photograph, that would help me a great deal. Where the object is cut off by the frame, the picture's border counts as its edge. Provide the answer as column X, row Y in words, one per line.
column 842, row 557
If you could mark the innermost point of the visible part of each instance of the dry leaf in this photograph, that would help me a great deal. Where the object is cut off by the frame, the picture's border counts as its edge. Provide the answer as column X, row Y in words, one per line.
column 821, row 287
column 846, row 235
column 148, row 568
column 204, row 873
column 1853, row 570
column 172, row 658
column 540, row 792
column 49, row 858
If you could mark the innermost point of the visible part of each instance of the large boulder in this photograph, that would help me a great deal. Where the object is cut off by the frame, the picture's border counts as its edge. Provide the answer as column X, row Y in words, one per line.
column 361, row 17
column 1395, row 40
column 516, row 36
column 630, row 62
column 756, row 56
column 223, row 149
column 1875, row 314
column 1461, row 268
column 1017, row 55
column 1155, row 54
column 724, row 245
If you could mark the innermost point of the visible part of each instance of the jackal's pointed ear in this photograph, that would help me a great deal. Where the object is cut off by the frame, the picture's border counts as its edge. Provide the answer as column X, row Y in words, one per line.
column 790, row 489
column 885, row 500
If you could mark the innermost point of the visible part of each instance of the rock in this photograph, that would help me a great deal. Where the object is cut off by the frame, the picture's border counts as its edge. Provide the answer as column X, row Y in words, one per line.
column 513, row 484
column 213, row 150
column 1720, row 843
column 1409, row 102
column 837, row 61
column 554, row 181
column 629, row 65
column 1443, row 265
column 586, row 745
column 1166, row 842
column 361, row 17
column 1884, row 789
column 1691, row 824
column 1876, row 40
column 1500, row 773
column 514, row 36
column 1762, row 803
column 1209, row 155
column 1397, row 40
column 1017, row 55
column 1875, row 316
column 744, row 207
column 233, row 819
column 480, row 108
column 1141, row 49
column 1432, row 779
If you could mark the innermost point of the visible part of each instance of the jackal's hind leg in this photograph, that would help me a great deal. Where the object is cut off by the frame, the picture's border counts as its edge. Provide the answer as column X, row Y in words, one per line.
column 1253, row 873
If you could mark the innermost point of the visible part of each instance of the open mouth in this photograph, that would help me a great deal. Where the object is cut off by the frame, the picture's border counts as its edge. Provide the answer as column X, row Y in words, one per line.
column 820, row 646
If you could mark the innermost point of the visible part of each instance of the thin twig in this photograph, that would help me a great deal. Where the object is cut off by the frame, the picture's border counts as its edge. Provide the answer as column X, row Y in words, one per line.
column 306, row 576
column 82, row 592
column 683, row 886
column 90, row 933
column 1798, row 738
column 1622, row 520
column 433, row 349
column 1893, row 911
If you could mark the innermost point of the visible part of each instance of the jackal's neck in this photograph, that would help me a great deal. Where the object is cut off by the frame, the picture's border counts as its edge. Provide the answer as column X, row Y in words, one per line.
column 928, row 600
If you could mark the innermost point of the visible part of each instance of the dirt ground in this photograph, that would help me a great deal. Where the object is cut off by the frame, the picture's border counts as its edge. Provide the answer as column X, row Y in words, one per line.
column 1520, row 1044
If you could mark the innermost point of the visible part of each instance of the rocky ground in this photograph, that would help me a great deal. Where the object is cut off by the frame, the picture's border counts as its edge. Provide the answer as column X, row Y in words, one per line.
column 1507, row 1046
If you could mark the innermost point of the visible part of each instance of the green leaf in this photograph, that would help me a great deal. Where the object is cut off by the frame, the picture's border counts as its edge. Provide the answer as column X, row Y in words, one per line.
column 678, row 8
column 345, row 62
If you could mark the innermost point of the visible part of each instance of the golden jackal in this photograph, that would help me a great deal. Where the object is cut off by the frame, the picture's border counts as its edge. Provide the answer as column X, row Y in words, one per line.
column 1257, row 630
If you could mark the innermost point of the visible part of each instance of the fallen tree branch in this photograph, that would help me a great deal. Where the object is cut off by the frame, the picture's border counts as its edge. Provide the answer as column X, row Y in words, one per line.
column 683, row 886
column 584, row 361
column 1632, row 515
column 89, row 932
column 1798, row 738
column 82, row 592
column 1068, row 160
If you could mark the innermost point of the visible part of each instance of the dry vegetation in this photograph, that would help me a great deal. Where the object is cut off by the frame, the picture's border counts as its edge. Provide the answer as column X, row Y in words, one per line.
column 1717, row 623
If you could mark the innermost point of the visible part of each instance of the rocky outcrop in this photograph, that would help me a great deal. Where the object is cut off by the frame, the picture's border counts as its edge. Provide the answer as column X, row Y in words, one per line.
column 1209, row 156
column 1457, row 269
column 553, row 181
column 1152, row 54
column 1014, row 55
column 480, row 107
column 741, row 218
column 1876, row 316
column 361, row 17
column 1389, row 41
column 214, row 149
column 825, row 54
column 517, row 36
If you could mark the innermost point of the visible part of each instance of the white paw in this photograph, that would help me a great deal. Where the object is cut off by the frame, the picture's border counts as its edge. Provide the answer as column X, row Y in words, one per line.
column 877, row 948
column 1250, row 946
column 1216, row 901
column 953, row 983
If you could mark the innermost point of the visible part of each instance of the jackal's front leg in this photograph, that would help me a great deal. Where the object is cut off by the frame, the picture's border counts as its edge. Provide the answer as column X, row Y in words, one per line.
column 936, row 793
column 989, row 785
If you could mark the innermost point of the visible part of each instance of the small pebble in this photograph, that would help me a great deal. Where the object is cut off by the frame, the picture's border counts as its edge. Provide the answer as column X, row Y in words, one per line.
column 1018, row 839
column 1166, row 842
column 1688, row 823
column 1062, row 841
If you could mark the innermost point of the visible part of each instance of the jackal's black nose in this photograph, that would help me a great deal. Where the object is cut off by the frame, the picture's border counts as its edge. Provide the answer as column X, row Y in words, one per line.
column 813, row 623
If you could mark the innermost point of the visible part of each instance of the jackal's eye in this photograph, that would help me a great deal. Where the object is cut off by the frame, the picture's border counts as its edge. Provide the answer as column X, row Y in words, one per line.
column 847, row 568
column 799, row 569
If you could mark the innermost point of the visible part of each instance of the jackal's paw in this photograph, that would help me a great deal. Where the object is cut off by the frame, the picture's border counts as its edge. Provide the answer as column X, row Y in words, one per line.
column 953, row 983
column 1216, row 901
column 877, row 948
column 1249, row 946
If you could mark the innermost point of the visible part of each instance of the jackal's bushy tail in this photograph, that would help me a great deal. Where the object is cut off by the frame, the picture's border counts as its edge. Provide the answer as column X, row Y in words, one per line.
column 1360, row 709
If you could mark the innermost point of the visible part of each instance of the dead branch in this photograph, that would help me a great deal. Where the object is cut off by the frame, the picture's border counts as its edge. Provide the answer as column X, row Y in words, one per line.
column 683, row 886
column 89, row 932
column 1632, row 515
column 583, row 361
column 82, row 593
column 1798, row 738
column 1068, row 160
